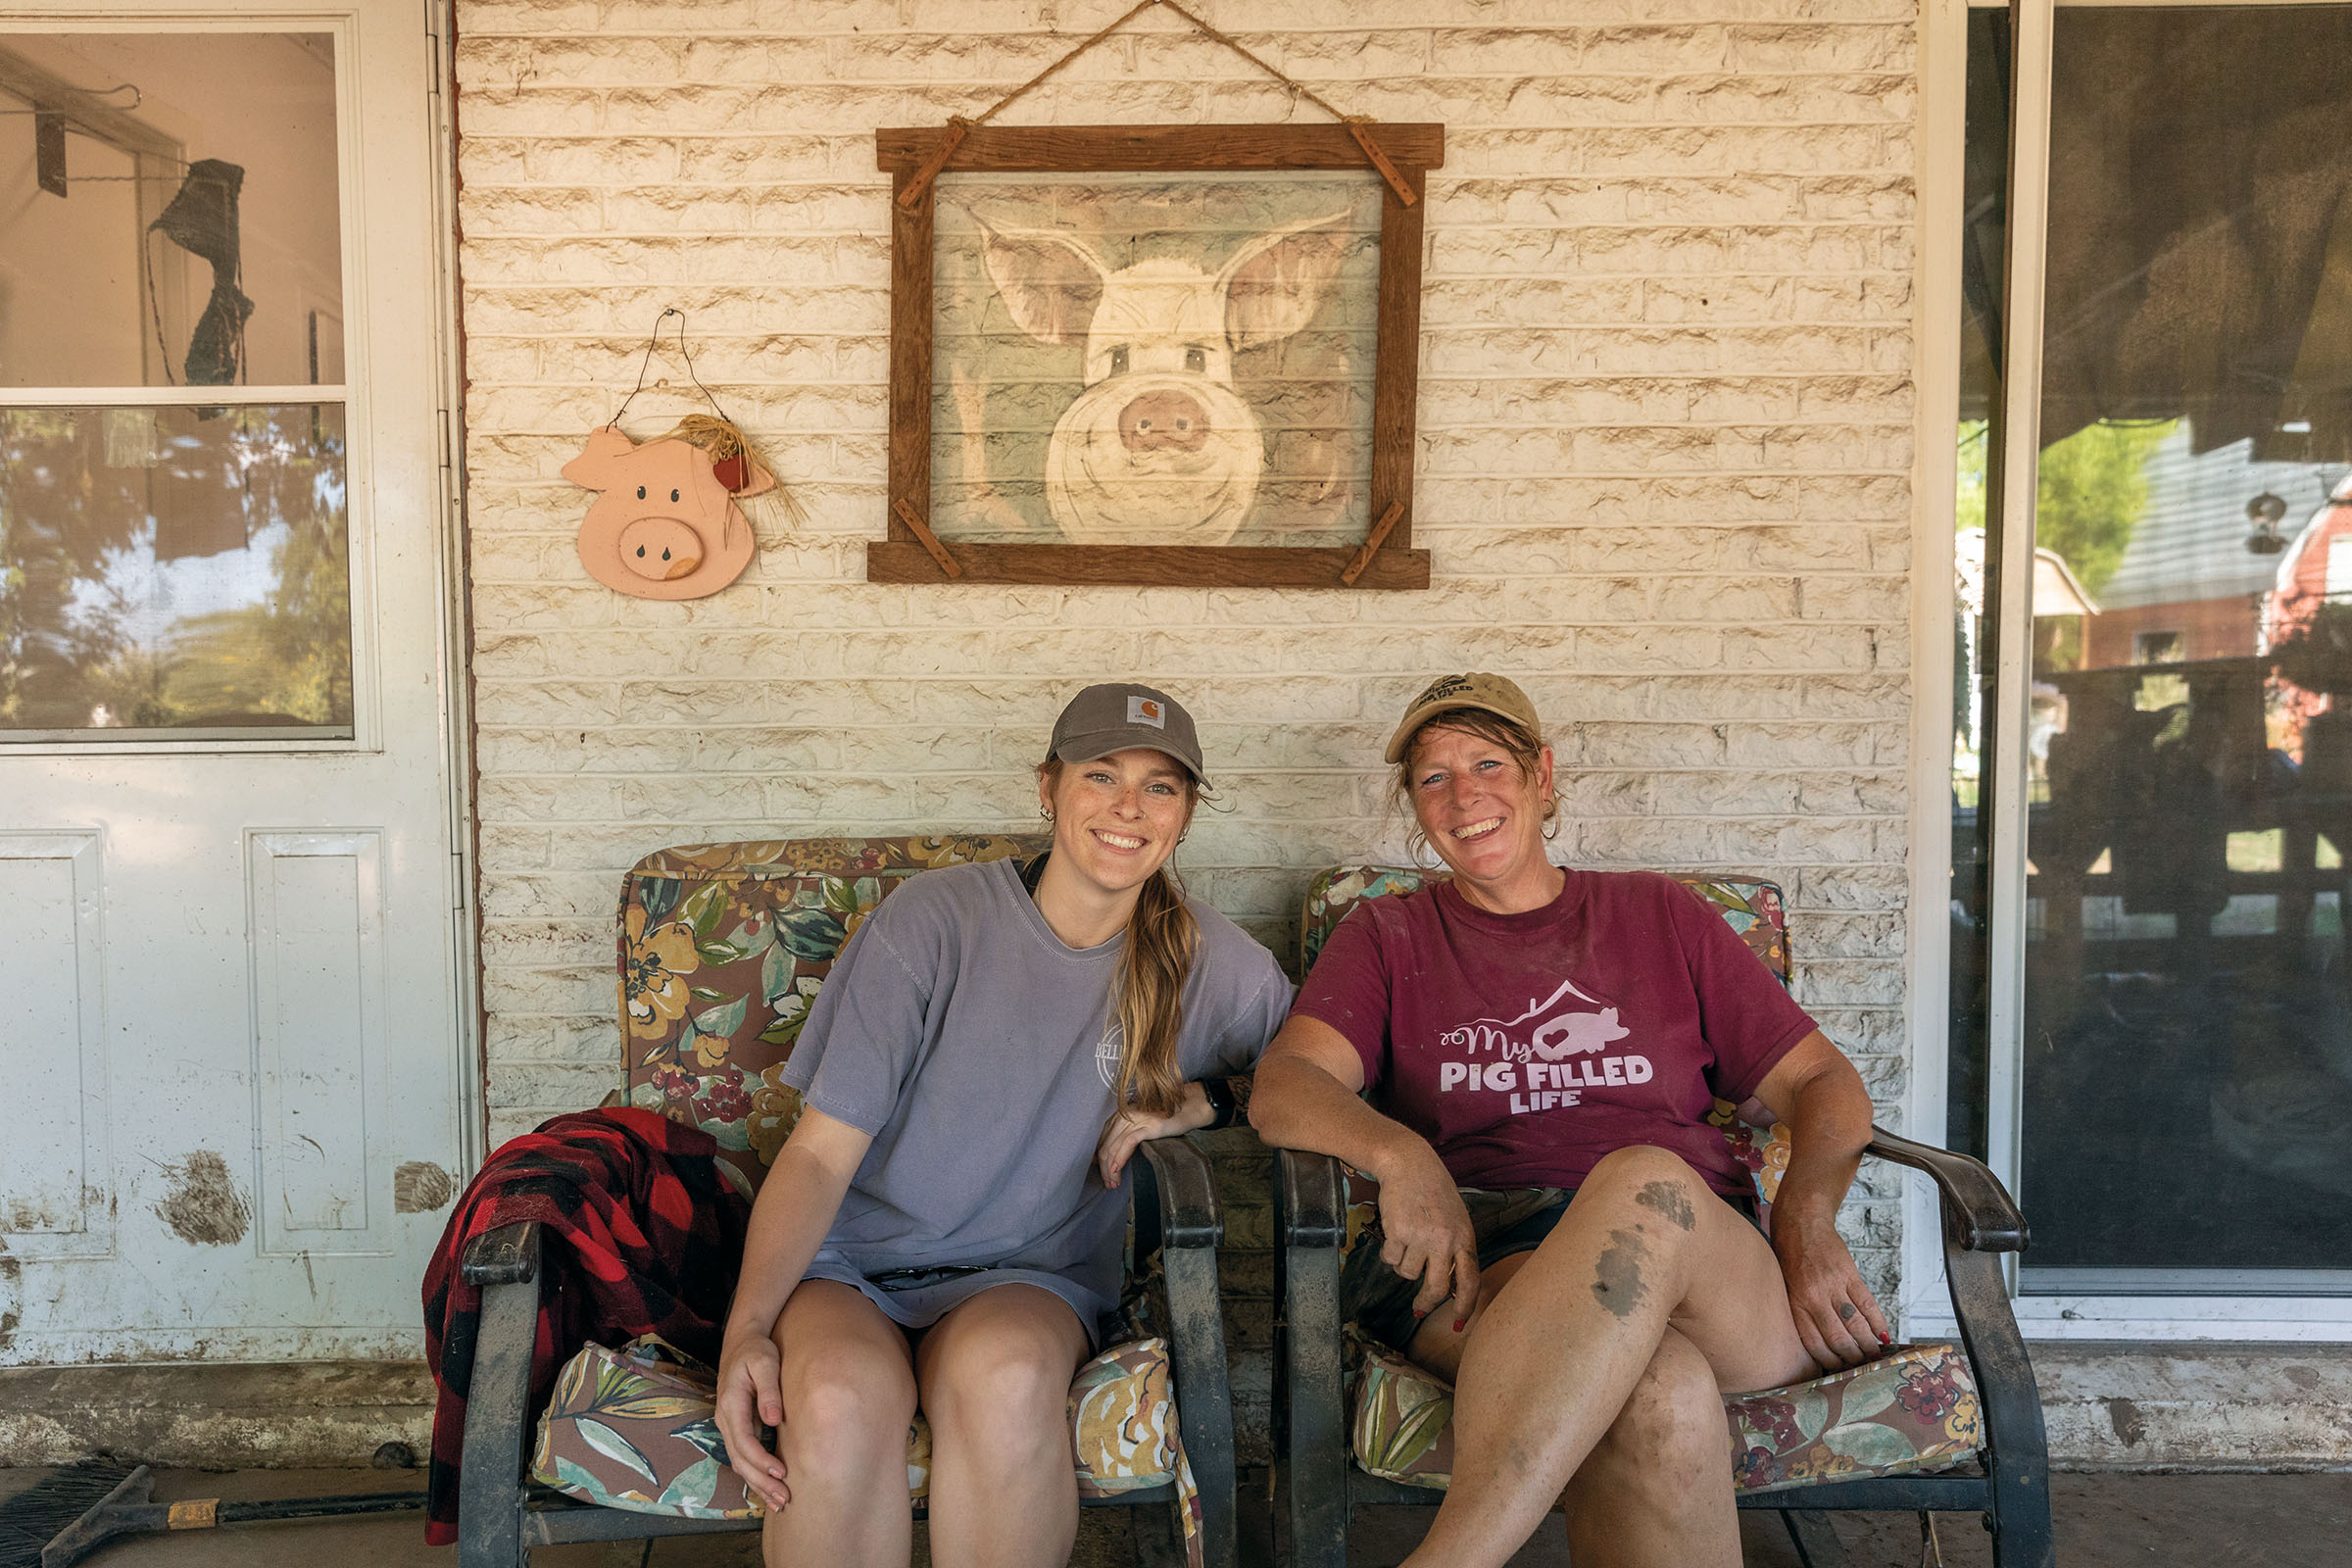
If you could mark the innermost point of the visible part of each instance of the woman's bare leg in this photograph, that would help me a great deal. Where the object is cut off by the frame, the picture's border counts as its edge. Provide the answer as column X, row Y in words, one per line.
column 994, row 1375
column 1656, row 1489
column 849, row 1394
column 1551, row 1360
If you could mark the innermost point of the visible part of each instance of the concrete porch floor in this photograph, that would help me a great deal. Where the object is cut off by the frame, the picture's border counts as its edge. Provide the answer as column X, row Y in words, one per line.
column 2104, row 1521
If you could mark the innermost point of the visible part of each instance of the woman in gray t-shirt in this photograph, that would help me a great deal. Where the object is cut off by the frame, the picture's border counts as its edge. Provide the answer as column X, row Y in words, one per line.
column 944, row 1227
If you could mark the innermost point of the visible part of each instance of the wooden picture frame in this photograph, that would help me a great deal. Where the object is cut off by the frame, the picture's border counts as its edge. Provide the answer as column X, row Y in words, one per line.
column 1385, row 558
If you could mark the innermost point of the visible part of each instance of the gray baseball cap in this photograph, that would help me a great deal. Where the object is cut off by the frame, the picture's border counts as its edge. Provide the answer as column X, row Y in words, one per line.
column 1118, row 715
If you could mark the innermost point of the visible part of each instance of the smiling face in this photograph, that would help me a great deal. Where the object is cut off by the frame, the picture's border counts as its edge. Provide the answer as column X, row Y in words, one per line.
column 1481, row 808
column 1116, row 818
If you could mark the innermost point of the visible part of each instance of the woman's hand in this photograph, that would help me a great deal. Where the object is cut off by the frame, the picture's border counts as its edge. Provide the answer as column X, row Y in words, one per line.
column 1128, row 1128
column 1836, row 1317
column 1426, row 1234
column 751, row 1392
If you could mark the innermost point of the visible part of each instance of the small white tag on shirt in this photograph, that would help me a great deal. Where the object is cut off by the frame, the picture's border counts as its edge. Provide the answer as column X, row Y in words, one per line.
column 1145, row 711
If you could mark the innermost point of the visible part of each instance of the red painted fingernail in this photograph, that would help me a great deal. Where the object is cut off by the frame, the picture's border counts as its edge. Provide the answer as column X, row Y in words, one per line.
column 1884, row 1340
column 1460, row 1323
column 1419, row 1313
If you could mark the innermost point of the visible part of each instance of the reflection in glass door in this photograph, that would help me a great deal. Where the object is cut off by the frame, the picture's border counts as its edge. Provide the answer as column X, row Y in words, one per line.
column 175, row 552
column 2186, row 1068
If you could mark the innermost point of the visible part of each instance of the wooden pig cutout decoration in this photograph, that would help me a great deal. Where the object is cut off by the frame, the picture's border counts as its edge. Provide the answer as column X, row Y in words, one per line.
column 665, row 527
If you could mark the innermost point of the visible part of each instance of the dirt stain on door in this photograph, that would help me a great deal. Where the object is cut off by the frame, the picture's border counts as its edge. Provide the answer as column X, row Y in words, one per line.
column 202, row 1206
column 419, row 1187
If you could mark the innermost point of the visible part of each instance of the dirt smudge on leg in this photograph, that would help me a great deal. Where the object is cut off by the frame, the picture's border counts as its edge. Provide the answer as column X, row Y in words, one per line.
column 1669, row 1199
column 203, row 1207
column 1617, row 1276
column 419, row 1187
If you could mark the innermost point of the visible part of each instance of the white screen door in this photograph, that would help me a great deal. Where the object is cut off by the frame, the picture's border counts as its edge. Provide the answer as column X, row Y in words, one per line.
column 237, row 1103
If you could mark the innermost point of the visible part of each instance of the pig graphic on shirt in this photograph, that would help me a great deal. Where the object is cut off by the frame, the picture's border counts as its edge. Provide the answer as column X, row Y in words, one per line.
column 1518, row 1053
column 1573, row 1034
column 1159, row 448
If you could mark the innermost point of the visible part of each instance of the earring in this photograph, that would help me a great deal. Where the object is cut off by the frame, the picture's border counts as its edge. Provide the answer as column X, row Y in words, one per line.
column 1046, row 812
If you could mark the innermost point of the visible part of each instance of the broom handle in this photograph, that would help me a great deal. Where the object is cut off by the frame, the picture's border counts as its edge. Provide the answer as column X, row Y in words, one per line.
column 117, row 1515
column 202, row 1513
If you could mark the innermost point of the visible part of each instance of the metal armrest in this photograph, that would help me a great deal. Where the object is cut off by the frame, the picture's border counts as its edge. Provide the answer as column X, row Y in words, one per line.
column 1312, row 1214
column 1311, row 1220
column 507, row 1255
column 1981, row 1221
column 1978, row 1214
column 1189, row 1215
column 1190, row 1226
column 505, row 1264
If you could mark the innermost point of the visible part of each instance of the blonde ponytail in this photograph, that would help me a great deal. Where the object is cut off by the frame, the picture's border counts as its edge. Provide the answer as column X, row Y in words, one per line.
column 1161, row 938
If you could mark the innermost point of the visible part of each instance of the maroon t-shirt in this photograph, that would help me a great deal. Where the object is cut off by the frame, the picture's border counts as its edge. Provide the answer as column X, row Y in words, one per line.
column 1525, row 1046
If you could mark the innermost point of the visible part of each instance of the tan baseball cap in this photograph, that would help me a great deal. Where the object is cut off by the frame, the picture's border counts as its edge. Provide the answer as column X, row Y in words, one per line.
column 1112, row 717
column 1493, row 694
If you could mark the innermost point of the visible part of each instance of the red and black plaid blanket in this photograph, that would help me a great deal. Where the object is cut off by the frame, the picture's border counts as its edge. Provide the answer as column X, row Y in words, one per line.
column 641, row 1236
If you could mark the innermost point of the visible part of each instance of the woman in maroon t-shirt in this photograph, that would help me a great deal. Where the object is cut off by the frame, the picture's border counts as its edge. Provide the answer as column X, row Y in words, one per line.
column 1562, row 1234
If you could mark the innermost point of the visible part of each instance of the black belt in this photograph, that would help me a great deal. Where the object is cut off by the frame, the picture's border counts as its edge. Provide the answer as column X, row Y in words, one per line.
column 911, row 1279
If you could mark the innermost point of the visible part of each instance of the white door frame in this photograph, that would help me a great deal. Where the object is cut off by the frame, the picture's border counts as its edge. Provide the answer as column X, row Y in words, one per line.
column 1925, row 1307
column 424, row 483
column 456, row 618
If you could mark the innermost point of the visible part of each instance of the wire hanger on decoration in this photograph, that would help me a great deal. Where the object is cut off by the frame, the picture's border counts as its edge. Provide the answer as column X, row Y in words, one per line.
column 958, row 127
column 653, row 341
column 717, row 433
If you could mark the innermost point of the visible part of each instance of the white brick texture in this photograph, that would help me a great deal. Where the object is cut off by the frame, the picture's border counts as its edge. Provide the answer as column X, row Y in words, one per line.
column 1665, row 443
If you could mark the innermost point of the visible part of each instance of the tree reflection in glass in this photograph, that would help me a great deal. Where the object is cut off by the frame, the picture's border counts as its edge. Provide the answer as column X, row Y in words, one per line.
column 175, row 569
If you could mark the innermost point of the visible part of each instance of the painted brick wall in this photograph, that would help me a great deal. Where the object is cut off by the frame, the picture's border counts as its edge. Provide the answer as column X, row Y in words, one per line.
column 1665, row 419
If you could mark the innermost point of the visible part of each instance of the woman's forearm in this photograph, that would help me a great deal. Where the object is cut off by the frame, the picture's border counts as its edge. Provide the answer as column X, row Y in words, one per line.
column 1296, row 1104
column 789, row 1221
column 1828, row 1127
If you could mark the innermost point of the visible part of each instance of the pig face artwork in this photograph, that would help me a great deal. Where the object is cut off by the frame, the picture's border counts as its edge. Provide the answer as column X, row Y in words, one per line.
column 1167, row 439
column 1160, row 447
column 664, row 524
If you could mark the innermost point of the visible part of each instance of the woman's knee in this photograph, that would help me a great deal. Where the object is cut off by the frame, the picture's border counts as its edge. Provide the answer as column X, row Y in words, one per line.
column 1671, row 1432
column 1656, row 1182
column 847, row 1410
column 999, row 1390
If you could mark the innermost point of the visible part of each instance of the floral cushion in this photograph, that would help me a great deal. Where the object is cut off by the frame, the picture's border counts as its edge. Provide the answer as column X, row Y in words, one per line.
column 1750, row 907
column 636, row 1427
column 1911, row 1412
column 722, row 948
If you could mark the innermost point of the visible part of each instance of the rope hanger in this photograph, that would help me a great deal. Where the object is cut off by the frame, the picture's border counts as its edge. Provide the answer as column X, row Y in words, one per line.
column 918, row 184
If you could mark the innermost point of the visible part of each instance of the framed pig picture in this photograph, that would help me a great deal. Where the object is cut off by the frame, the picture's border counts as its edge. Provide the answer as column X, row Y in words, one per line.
column 1178, row 355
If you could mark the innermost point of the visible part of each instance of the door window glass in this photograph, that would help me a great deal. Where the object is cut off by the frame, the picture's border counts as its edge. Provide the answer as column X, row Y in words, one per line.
column 174, row 223
column 175, row 569
column 174, row 552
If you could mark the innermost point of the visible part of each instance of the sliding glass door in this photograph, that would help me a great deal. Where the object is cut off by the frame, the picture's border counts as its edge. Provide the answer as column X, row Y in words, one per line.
column 2151, row 722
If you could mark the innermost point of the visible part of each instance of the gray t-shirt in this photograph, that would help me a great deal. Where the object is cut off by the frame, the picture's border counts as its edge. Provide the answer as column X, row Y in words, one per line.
column 980, row 1052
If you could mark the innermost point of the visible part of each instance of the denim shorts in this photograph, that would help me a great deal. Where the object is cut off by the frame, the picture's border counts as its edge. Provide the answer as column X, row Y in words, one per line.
column 1379, row 1301
column 1506, row 1221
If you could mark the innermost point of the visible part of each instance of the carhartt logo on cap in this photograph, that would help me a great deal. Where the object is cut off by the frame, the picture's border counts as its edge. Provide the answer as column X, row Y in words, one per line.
column 1143, row 710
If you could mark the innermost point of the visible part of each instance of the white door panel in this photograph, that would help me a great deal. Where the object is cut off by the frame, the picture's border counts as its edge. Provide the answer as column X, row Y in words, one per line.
column 231, row 1027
